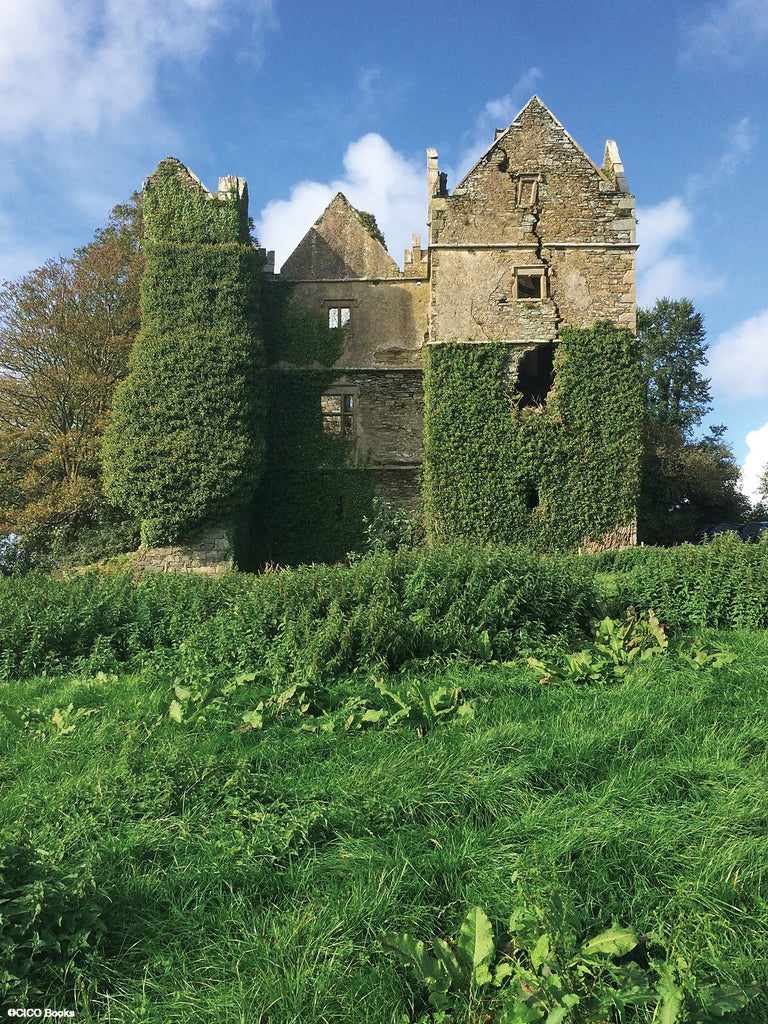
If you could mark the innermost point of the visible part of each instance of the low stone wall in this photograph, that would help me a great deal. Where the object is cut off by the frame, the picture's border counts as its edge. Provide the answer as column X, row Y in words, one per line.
column 208, row 553
column 618, row 539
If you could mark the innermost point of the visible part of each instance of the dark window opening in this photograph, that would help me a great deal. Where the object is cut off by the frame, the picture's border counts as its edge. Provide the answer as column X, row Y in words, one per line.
column 529, row 286
column 530, row 495
column 535, row 375
column 338, row 414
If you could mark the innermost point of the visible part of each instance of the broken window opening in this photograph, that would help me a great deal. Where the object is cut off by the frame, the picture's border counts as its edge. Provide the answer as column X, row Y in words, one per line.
column 530, row 284
column 338, row 412
column 339, row 316
column 527, row 190
column 535, row 375
column 530, row 495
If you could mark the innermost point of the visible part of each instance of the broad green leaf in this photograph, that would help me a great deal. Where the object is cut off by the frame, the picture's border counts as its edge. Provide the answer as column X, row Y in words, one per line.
column 413, row 952
column 502, row 971
column 671, row 997
column 540, row 951
column 615, row 941
column 175, row 711
column 182, row 693
column 521, row 1013
column 253, row 718
column 525, row 926
column 721, row 999
column 374, row 715
column 475, row 942
column 658, row 630
column 556, row 1015
column 459, row 975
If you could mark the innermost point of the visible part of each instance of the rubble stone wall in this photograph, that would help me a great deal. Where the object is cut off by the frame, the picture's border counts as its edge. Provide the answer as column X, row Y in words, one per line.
column 208, row 553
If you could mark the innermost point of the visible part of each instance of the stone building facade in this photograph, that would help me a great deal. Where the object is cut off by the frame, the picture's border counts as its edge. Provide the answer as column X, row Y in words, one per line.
column 536, row 237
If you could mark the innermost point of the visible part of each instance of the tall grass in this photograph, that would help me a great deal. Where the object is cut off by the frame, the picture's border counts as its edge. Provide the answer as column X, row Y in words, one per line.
column 247, row 876
column 389, row 609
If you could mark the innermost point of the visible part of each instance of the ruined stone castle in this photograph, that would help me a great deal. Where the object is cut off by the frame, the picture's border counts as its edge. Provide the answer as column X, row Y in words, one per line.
column 535, row 237
column 534, row 241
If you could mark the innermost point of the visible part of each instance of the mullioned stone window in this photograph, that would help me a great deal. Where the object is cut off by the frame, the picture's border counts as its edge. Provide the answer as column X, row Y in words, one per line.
column 339, row 316
column 338, row 411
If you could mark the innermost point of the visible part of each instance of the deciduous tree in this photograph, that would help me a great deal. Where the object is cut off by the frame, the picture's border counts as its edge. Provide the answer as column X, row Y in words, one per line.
column 685, row 481
column 673, row 350
column 66, row 330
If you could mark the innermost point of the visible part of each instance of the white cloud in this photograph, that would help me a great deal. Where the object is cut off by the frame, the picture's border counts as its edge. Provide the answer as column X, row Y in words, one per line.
column 77, row 65
column 732, row 31
column 377, row 179
column 664, row 266
column 738, row 362
column 497, row 113
column 755, row 462
column 741, row 142
column 660, row 227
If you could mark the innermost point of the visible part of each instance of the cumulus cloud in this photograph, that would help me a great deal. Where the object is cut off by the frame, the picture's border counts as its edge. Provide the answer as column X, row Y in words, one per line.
column 376, row 178
column 77, row 65
column 733, row 31
column 664, row 266
column 738, row 361
column 497, row 113
column 755, row 462
column 660, row 227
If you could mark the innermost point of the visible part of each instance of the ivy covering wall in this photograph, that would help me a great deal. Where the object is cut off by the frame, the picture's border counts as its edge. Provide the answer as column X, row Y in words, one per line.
column 185, row 445
column 315, row 490
column 560, row 474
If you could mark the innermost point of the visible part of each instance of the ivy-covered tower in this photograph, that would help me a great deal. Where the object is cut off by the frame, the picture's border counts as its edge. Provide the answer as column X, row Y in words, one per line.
column 184, row 450
column 532, row 396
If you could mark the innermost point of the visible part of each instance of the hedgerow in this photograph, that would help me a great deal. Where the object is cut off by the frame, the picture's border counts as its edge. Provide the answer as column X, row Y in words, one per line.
column 479, row 603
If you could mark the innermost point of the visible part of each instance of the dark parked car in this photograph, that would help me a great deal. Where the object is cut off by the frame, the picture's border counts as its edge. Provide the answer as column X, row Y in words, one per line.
column 747, row 531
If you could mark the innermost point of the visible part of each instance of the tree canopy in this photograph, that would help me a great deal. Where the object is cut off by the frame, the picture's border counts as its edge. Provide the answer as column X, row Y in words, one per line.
column 685, row 481
column 66, row 330
column 673, row 349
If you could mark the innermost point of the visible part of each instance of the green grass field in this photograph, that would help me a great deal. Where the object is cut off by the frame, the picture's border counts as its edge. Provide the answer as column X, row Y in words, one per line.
column 203, row 870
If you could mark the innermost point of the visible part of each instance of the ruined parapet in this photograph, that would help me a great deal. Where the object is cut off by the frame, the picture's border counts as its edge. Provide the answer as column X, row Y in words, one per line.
column 614, row 168
column 208, row 553
column 416, row 259
column 232, row 187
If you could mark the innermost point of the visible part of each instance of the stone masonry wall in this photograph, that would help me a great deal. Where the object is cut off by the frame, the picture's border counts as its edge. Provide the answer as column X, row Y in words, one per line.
column 207, row 554
column 533, row 204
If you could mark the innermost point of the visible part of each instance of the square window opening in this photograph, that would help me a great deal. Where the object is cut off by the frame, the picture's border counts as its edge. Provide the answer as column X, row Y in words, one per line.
column 339, row 316
column 527, row 190
column 338, row 414
column 530, row 286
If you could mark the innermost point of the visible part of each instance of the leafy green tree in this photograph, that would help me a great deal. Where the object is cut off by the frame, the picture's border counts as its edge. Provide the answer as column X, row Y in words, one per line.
column 673, row 348
column 66, row 330
column 185, row 444
column 763, row 482
column 685, row 481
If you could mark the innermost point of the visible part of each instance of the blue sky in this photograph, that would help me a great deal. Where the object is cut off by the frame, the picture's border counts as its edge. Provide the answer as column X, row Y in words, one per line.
column 306, row 99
